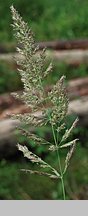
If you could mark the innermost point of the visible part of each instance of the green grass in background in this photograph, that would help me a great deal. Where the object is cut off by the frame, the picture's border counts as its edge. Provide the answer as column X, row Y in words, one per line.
column 9, row 78
column 55, row 19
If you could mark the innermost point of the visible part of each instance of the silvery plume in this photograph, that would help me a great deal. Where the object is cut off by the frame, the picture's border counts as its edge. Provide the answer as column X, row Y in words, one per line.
column 32, row 72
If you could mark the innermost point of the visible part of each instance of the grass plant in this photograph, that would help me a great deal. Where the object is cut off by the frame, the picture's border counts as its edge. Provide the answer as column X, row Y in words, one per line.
column 31, row 69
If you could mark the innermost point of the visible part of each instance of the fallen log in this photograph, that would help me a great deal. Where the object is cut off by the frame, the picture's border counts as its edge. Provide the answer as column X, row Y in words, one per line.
column 7, row 100
column 64, row 44
column 72, row 57
column 55, row 45
column 8, row 139
column 76, row 88
column 78, row 107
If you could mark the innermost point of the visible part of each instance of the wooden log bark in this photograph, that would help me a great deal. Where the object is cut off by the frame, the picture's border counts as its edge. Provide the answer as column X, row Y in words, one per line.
column 76, row 89
column 8, row 139
column 78, row 107
column 64, row 44
column 72, row 57
column 55, row 45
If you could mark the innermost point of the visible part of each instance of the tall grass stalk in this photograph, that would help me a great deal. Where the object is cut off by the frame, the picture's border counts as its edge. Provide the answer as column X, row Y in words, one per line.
column 33, row 74
column 59, row 163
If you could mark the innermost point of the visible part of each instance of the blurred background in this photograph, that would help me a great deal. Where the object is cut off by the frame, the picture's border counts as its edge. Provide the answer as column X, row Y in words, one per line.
column 62, row 27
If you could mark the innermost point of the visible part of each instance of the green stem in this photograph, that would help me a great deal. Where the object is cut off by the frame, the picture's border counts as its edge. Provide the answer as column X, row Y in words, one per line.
column 63, row 188
column 59, row 162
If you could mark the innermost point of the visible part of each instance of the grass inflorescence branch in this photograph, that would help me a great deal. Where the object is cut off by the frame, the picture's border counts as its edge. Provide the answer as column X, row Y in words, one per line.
column 32, row 74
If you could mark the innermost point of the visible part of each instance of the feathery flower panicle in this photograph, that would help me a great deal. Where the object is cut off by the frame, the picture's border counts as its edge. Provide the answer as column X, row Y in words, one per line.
column 32, row 75
column 32, row 68
column 59, row 100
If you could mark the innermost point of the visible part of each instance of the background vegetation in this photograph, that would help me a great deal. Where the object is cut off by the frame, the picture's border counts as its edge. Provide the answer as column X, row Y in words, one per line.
column 50, row 20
